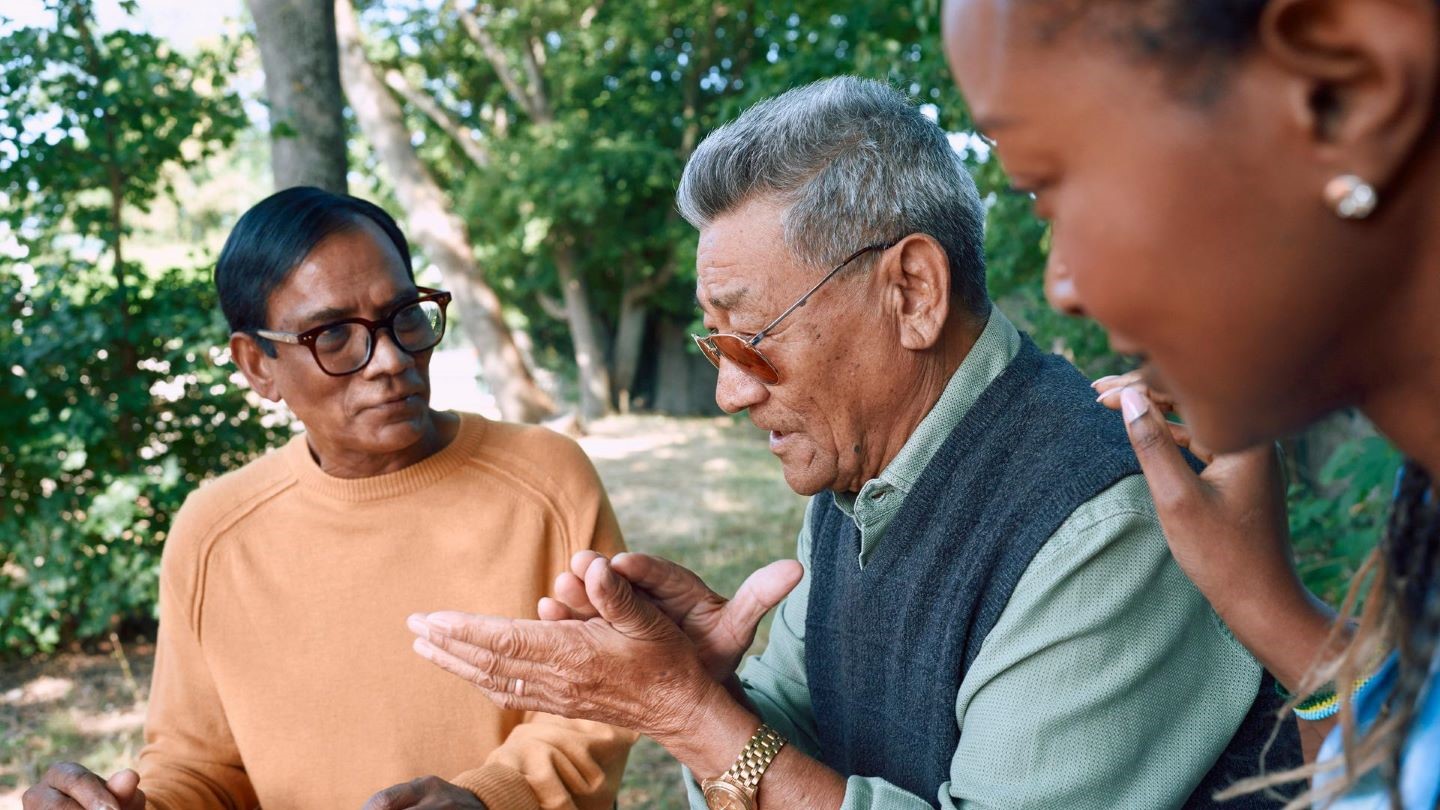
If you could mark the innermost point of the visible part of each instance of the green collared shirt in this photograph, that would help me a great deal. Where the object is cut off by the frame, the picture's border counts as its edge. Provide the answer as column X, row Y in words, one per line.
column 879, row 500
column 1107, row 682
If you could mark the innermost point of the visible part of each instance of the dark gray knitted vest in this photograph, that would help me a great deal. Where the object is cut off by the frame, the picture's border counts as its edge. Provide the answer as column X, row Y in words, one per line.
column 886, row 647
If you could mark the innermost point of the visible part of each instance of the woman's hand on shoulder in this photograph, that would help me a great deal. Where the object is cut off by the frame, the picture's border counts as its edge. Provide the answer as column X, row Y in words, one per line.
column 1228, row 530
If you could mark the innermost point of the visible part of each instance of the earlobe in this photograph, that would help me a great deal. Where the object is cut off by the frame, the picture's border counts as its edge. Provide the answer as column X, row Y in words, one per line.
column 255, row 365
column 1366, row 78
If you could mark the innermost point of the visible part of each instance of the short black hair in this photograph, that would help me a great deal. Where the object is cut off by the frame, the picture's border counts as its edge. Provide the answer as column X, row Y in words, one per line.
column 1191, row 30
column 1196, row 40
column 1177, row 30
column 275, row 236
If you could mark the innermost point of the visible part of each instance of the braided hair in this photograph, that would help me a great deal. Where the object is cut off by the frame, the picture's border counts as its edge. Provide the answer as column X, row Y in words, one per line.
column 1411, row 590
column 1399, row 585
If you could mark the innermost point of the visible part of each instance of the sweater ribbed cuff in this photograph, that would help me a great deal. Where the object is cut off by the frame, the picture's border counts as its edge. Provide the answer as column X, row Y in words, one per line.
column 499, row 787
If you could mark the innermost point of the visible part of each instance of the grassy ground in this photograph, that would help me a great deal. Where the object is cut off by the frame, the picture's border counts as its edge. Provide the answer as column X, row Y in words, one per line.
column 705, row 492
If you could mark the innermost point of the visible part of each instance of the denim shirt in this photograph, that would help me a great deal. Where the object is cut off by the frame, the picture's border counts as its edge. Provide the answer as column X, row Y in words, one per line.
column 1420, row 758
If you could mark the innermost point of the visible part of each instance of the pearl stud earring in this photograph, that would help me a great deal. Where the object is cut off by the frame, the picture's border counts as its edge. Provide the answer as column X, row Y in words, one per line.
column 1350, row 197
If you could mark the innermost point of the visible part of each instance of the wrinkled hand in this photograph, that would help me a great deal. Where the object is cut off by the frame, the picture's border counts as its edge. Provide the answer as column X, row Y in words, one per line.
column 628, row 666
column 68, row 786
column 1228, row 530
column 425, row 793
column 721, row 629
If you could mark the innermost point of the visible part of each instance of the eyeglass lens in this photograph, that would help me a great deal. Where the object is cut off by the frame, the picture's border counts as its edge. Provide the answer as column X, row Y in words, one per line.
column 346, row 347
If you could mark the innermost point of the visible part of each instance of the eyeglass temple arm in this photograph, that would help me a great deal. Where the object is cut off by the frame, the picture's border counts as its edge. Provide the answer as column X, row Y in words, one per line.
column 806, row 297
column 283, row 337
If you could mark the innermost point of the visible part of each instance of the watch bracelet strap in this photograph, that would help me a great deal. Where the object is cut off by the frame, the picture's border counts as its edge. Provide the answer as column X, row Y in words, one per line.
column 762, row 748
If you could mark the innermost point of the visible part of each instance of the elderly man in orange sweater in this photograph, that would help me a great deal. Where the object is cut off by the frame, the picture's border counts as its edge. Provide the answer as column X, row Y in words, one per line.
column 283, row 676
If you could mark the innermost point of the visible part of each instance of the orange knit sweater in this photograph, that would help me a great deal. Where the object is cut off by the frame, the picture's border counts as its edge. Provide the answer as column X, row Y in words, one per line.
column 284, row 676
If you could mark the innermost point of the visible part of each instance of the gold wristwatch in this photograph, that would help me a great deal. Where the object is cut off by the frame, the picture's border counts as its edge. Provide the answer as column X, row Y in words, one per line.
column 735, row 789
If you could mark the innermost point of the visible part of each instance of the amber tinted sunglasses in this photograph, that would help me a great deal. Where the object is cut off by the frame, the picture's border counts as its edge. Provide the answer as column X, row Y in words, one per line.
column 741, row 350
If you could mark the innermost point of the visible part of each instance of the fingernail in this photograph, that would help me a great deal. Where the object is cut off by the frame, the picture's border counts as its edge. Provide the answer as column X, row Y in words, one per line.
column 1133, row 404
column 1109, row 393
column 440, row 622
column 618, row 557
column 1097, row 383
column 416, row 623
column 422, row 648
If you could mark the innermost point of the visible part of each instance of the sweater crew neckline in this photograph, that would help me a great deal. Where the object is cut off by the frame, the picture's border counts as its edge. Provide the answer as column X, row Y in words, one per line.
column 406, row 481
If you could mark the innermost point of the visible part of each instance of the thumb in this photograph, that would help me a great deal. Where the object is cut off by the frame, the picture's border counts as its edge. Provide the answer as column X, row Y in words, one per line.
column 615, row 599
column 1173, row 484
column 759, row 594
column 125, row 786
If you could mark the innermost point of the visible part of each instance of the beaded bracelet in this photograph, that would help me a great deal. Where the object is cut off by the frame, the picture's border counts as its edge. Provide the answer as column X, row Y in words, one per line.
column 1323, row 703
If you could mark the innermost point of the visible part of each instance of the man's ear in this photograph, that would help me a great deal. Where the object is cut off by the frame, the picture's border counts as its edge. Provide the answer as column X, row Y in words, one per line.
column 1363, row 79
column 255, row 364
column 918, row 275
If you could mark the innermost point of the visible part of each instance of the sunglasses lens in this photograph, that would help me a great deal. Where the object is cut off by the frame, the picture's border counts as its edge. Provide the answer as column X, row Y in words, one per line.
column 745, row 356
column 707, row 350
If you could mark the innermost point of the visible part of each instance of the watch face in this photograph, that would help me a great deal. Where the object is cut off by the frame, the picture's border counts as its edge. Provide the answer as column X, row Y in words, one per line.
column 721, row 795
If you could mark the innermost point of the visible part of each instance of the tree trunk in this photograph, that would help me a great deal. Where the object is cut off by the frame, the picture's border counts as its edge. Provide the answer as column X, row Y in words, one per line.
column 589, row 356
column 684, row 380
column 128, row 356
column 298, row 51
column 528, row 92
column 629, row 344
column 435, row 228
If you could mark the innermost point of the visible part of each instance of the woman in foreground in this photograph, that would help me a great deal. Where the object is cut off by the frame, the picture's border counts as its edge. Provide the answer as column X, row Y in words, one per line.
column 1244, row 192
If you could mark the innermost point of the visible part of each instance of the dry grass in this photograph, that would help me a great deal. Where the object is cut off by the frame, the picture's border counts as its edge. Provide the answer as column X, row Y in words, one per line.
column 705, row 492
column 72, row 707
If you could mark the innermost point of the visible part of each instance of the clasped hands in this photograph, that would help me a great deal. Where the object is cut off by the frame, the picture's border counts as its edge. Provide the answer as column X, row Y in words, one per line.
column 637, row 642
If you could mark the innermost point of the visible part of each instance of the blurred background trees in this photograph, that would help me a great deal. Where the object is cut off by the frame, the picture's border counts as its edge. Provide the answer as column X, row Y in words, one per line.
column 114, row 400
column 298, row 52
column 531, row 150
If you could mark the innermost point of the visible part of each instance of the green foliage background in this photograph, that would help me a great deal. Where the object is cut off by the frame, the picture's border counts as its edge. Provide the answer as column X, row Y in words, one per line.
column 116, row 397
column 113, row 404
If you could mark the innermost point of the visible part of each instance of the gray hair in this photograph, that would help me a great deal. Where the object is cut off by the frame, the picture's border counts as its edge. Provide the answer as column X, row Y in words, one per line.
column 855, row 163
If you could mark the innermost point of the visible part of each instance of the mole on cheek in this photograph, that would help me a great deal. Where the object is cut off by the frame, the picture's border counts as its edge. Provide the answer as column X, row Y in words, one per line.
column 856, row 448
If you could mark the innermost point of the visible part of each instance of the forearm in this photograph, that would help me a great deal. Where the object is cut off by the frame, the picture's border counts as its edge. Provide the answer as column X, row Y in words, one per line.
column 1287, row 629
column 555, row 763
column 794, row 780
column 498, row 787
column 717, row 733
column 1289, row 633
column 190, row 759
column 172, row 787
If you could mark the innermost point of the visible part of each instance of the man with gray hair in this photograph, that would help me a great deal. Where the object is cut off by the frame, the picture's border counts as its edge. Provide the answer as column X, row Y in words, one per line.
column 985, row 613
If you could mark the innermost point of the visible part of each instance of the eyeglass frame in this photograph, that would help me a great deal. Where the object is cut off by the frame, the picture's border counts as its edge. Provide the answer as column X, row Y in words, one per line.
column 308, row 337
column 704, row 341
